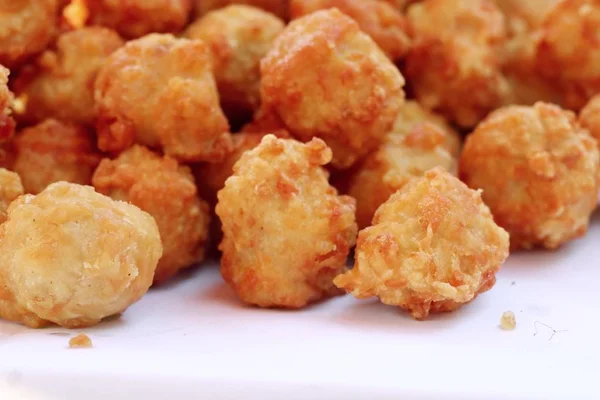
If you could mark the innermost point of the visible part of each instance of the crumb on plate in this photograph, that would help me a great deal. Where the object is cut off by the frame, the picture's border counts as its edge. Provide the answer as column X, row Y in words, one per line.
column 81, row 341
column 508, row 321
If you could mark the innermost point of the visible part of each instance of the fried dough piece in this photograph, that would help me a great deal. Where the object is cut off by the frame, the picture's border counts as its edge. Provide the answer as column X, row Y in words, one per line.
column 7, row 123
column 10, row 189
column 589, row 117
column 277, row 7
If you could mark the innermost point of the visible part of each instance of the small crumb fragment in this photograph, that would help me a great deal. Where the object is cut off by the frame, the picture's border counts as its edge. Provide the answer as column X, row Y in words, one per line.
column 81, row 341
column 508, row 321
column 513, row 283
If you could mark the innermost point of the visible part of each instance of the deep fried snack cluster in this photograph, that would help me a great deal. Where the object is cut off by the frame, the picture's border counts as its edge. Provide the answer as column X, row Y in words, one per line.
column 589, row 117
column 433, row 247
column 538, row 170
column 7, row 123
column 277, row 7
column 71, row 256
column 286, row 232
column 325, row 78
column 10, row 189
column 165, row 190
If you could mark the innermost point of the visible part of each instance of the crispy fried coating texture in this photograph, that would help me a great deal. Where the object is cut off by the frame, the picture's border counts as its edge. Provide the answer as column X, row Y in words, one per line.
column 524, row 16
column 538, row 170
column 26, row 28
column 238, row 37
column 453, row 65
column 54, row 151
column 277, row 7
column 433, row 247
column 165, row 190
column 383, row 22
column 72, row 257
column 286, row 232
column 159, row 91
column 136, row 18
column 7, row 123
column 589, row 117
column 10, row 189
column 60, row 83
column 325, row 78
column 401, row 158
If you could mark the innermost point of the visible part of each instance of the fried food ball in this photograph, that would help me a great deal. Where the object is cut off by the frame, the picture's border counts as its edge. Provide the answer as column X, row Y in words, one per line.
column 286, row 232
column 238, row 37
column 538, row 170
column 26, row 28
column 385, row 24
column 524, row 16
column 568, row 50
column 277, row 7
column 10, row 189
column 165, row 190
column 72, row 257
column 54, row 151
column 60, row 84
column 433, row 247
column 400, row 159
column 136, row 18
column 7, row 123
column 326, row 78
column 454, row 66
column 159, row 91
column 589, row 117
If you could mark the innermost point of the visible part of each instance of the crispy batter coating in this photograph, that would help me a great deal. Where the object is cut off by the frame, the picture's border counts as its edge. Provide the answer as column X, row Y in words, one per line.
column 401, row 158
column 538, row 170
column 26, row 28
column 159, row 91
column 136, row 18
column 238, row 37
column 433, row 247
column 7, row 123
column 568, row 49
column 277, row 7
column 60, row 84
column 589, row 117
column 326, row 78
column 524, row 16
column 383, row 22
column 453, row 65
column 72, row 257
column 165, row 190
column 54, row 151
column 286, row 232
column 10, row 189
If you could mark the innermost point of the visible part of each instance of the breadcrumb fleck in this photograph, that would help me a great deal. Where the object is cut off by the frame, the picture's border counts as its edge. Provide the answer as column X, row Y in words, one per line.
column 508, row 321
column 81, row 341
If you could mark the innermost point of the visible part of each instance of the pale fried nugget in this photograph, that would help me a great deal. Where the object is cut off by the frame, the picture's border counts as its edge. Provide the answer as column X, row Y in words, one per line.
column 165, row 190
column 538, row 170
column 326, row 78
column 433, row 247
column 568, row 50
column 26, row 28
column 286, row 232
column 10, row 189
column 589, row 117
column 72, row 257
column 60, row 84
column 238, row 37
column 159, row 91
column 277, row 7
column 385, row 24
column 136, row 18
column 401, row 158
column 453, row 65
column 7, row 123
column 54, row 151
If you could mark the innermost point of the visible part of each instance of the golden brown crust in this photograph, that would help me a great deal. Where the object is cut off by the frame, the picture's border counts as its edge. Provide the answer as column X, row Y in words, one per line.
column 7, row 123
column 159, row 91
column 72, row 257
column 277, row 7
column 55, row 151
column 589, row 117
column 433, row 246
column 325, row 78
column 383, row 22
column 538, row 170
column 165, row 190
column 524, row 16
column 10, row 189
column 286, row 232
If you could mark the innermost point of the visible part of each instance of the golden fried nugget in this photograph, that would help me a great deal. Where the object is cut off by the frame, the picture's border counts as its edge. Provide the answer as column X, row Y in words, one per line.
column 589, row 117
column 10, row 189
column 159, row 91
column 7, row 123
column 277, row 7
column 26, row 28
column 286, row 232
column 385, row 24
column 136, row 18
column 72, row 257
column 165, row 190
column 60, row 84
column 538, row 170
column 453, row 65
column 238, row 37
column 433, row 247
column 524, row 16
column 54, row 151
column 325, row 78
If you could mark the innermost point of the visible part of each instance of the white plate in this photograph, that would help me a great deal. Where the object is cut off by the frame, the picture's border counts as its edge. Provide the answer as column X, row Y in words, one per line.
column 194, row 340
